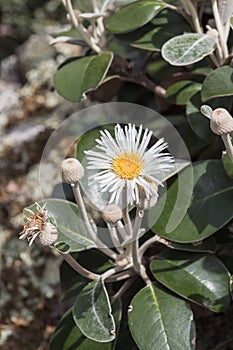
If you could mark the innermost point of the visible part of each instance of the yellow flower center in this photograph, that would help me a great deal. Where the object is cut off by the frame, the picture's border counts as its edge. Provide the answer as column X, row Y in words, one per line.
column 127, row 165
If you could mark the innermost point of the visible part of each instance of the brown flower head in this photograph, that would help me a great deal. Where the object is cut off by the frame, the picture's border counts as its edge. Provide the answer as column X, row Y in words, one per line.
column 36, row 225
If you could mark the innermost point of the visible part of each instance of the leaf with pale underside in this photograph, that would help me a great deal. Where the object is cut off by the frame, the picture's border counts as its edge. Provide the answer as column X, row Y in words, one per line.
column 188, row 48
column 92, row 313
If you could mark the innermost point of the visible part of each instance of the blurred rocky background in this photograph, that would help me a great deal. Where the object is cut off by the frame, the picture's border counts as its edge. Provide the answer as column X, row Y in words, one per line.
column 29, row 112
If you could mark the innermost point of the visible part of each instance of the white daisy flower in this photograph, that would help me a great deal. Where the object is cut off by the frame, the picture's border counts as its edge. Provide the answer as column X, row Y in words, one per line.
column 126, row 163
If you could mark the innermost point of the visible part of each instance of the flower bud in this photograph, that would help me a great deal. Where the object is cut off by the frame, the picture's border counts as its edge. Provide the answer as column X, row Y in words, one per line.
column 112, row 213
column 71, row 171
column 48, row 235
column 221, row 121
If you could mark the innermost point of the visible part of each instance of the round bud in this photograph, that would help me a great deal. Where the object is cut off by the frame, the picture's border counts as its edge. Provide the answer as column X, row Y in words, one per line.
column 221, row 121
column 48, row 235
column 112, row 213
column 71, row 171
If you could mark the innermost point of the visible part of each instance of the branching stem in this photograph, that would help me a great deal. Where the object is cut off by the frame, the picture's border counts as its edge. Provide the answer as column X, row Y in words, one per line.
column 77, row 267
column 135, row 243
column 149, row 242
column 219, row 26
column 190, row 9
column 80, row 202
column 80, row 28
column 228, row 144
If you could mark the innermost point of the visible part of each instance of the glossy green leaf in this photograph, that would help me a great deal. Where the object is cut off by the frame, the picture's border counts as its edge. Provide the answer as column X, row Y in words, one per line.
column 227, row 260
column 159, row 320
column 228, row 164
column 207, row 245
column 92, row 313
column 200, row 278
column 225, row 235
column 159, row 70
column 88, row 140
column 180, row 92
column 198, row 122
column 121, row 3
column 133, row 16
column 67, row 336
column 72, row 283
column 154, row 34
column 206, row 213
column 72, row 236
column 218, row 83
column 188, row 48
column 123, row 331
column 75, row 78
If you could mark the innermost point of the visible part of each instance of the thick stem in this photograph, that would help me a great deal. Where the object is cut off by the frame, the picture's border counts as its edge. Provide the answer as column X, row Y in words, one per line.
column 228, row 144
column 149, row 242
column 121, row 276
column 124, row 288
column 106, row 4
column 121, row 229
column 135, row 243
column 80, row 28
column 220, row 29
column 144, row 276
column 127, row 72
column 80, row 202
column 114, row 237
column 109, row 273
column 188, row 6
column 125, row 213
column 77, row 267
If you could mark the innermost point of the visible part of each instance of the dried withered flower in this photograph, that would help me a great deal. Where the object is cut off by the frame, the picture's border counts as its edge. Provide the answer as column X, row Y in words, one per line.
column 36, row 226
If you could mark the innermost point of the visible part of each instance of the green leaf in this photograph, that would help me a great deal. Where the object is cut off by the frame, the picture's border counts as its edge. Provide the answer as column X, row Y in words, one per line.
column 67, row 219
column 92, row 313
column 67, row 336
column 188, row 48
column 180, row 92
column 228, row 164
column 72, row 283
column 200, row 278
column 121, row 3
column 207, row 245
column 154, row 34
column 227, row 260
column 206, row 212
column 133, row 16
column 159, row 320
column 75, row 78
column 218, row 83
column 198, row 122
column 88, row 140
